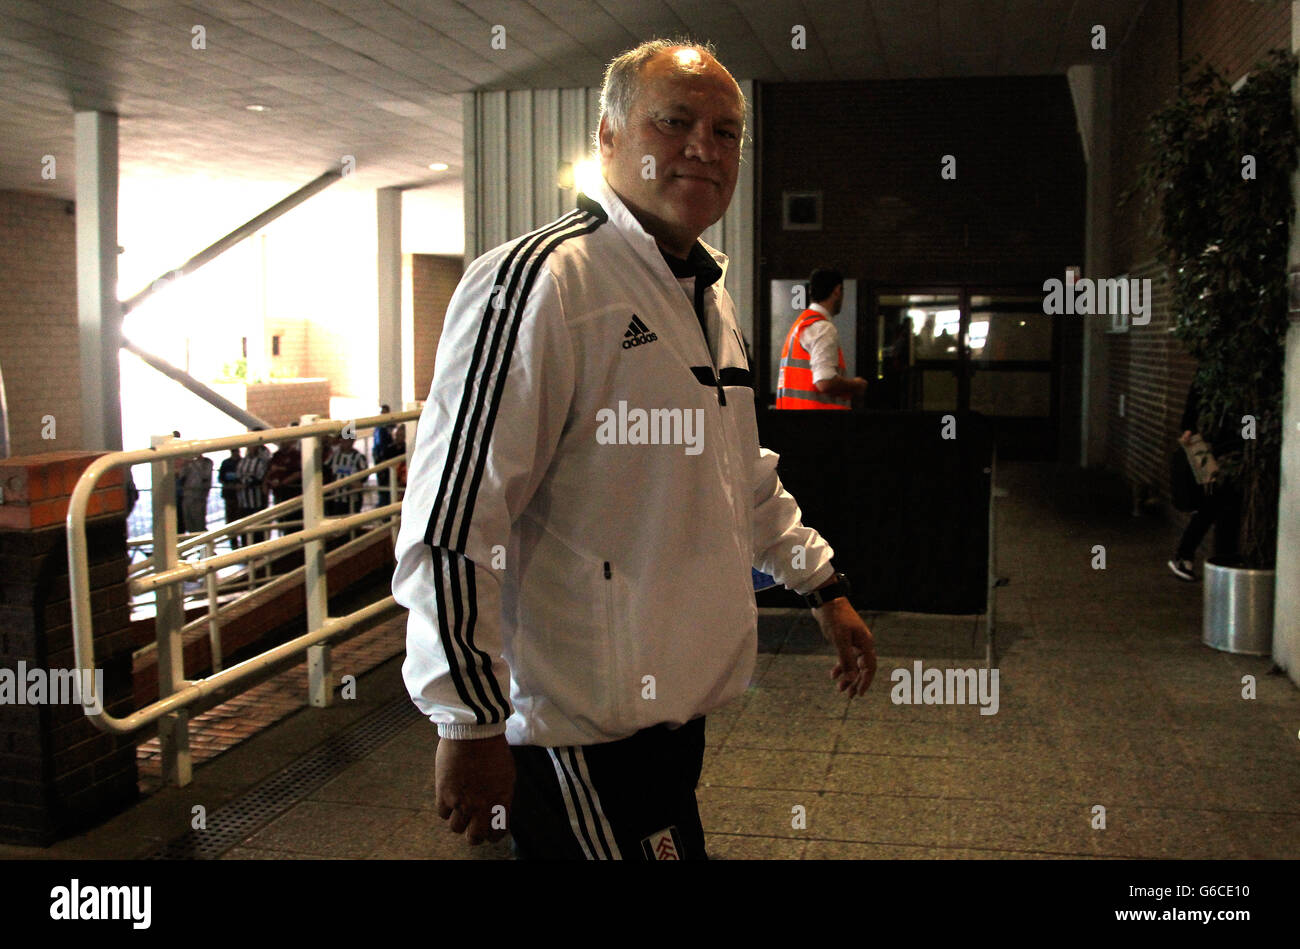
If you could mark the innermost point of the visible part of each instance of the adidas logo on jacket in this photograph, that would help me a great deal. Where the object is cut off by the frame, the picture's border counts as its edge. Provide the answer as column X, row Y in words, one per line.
column 637, row 333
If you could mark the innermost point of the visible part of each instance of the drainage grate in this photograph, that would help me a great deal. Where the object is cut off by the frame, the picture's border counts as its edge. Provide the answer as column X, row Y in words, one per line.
column 237, row 820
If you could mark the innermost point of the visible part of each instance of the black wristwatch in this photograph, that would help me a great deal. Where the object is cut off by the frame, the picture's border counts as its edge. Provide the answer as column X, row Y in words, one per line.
column 840, row 587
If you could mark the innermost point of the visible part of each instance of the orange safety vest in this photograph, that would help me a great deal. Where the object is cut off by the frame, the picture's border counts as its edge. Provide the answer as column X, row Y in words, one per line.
column 794, row 387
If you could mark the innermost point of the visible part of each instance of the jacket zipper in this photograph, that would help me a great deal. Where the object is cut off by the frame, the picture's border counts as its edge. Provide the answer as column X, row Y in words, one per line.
column 699, row 318
column 613, row 684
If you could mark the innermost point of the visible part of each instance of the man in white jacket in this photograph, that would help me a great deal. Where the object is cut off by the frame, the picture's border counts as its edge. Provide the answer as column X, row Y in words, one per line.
column 587, row 495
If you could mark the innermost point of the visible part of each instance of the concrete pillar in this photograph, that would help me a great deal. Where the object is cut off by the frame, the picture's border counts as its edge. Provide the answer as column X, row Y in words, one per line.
column 99, row 317
column 389, row 207
column 60, row 774
column 469, row 174
column 1092, row 91
column 1286, row 598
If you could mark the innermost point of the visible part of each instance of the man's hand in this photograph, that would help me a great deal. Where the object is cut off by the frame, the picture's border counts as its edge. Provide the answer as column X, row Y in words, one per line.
column 471, row 777
column 845, row 630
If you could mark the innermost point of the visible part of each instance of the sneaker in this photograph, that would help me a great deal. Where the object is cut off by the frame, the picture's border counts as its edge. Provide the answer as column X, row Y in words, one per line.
column 1183, row 569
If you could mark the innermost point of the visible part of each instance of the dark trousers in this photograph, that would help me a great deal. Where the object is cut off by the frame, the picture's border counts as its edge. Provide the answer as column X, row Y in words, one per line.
column 1221, row 508
column 279, row 496
column 233, row 513
column 632, row 799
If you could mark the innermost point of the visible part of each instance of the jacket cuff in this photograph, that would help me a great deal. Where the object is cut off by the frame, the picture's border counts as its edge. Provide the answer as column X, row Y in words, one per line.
column 462, row 732
column 817, row 579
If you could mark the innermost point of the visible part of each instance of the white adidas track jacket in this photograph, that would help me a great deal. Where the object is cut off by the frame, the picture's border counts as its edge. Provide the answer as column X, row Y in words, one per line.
column 586, row 496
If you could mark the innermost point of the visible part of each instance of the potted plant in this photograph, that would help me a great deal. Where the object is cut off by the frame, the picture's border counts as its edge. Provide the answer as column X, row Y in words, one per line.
column 1220, row 173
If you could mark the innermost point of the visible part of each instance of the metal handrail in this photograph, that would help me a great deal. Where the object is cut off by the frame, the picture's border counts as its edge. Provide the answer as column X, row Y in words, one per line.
column 195, row 541
column 280, row 581
column 198, row 569
column 259, row 521
column 176, row 693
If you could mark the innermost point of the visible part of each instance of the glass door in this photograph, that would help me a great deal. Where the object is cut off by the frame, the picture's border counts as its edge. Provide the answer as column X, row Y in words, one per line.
column 968, row 348
column 921, row 341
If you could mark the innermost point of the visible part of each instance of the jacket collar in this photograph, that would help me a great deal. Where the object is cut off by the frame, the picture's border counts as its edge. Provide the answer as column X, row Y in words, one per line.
column 617, row 214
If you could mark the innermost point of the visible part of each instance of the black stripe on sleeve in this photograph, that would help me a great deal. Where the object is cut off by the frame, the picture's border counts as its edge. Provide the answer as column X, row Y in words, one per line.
column 486, row 436
column 493, row 321
column 498, row 704
column 451, row 641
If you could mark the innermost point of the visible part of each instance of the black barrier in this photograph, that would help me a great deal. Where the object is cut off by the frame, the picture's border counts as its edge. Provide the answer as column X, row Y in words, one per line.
column 906, row 509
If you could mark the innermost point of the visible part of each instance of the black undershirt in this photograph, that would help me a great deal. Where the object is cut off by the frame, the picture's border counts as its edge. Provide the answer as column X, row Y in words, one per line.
column 704, row 269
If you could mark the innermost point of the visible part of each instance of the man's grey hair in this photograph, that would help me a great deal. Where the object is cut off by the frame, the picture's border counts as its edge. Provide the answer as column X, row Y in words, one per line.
column 622, row 77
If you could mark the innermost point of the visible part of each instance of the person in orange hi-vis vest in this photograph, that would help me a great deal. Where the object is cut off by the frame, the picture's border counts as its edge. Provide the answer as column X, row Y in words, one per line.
column 812, row 364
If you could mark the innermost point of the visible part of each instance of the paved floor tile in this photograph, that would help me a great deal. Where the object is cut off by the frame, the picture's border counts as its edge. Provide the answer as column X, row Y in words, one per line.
column 740, row 847
column 784, row 734
column 331, row 830
column 776, row 770
column 894, row 775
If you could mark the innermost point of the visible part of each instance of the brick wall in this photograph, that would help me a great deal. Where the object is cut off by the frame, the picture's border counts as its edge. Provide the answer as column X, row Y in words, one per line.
column 285, row 401
column 1148, row 366
column 433, row 280
column 39, row 346
column 1014, row 214
column 295, row 359
column 58, row 773
column 344, row 358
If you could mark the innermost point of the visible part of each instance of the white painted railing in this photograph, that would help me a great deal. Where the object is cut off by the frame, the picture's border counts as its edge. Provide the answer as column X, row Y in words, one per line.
column 166, row 573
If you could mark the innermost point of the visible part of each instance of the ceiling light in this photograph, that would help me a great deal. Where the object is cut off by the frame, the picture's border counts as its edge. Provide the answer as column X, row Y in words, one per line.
column 255, row 108
column 439, row 166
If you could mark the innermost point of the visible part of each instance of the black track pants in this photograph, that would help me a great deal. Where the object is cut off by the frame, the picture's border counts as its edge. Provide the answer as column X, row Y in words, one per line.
column 632, row 799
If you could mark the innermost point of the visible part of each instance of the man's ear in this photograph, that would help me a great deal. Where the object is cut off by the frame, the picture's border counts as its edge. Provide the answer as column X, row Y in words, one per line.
column 605, row 135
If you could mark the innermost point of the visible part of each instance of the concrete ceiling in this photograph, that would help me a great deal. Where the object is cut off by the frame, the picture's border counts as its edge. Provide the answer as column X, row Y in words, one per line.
column 380, row 79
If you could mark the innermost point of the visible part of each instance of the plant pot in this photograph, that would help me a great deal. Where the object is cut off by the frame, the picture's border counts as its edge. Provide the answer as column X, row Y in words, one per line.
column 1238, row 609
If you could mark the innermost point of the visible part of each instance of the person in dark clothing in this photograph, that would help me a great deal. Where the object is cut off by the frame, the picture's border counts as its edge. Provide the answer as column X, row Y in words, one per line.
column 180, row 464
column 387, row 492
column 284, row 477
column 196, row 483
column 1220, row 503
column 344, row 461
column 252, row 486
column 382, row 450
column 228, row 478
column 383, row 436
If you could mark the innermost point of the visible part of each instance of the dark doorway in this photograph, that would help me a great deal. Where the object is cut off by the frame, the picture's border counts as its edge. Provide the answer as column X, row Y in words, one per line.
column 969, row 348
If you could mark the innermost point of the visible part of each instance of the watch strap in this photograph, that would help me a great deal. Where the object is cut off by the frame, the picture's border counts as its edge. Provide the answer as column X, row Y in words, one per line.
column 832, row 591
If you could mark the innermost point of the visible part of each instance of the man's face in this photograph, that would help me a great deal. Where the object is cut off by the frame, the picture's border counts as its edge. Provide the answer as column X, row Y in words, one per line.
column 688, row 116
